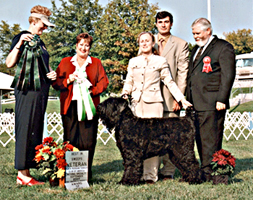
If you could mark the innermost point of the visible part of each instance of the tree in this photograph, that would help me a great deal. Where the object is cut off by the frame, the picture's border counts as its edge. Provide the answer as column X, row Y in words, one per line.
column 242, row 40
column 117, row 32
column 71, row 18
column 7, row 33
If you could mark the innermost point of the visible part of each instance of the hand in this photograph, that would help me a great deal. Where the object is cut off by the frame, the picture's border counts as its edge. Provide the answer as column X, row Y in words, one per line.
column 26, row 37
column 220, row 106
column 124, row 96
column 52, row 75
column 176, row 106
column 72, row 78
column 185, row 103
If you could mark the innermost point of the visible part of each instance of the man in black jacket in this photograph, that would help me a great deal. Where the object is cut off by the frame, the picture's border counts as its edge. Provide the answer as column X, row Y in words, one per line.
column 210, row 78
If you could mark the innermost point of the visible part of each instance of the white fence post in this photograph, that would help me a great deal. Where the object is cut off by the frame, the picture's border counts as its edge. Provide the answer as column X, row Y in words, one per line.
column 236, row 125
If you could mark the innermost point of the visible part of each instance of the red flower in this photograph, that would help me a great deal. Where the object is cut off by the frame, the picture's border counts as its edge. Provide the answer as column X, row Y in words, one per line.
column 61, row 163
column 59, row 153
column 38, row 157
column 46, row 149
column 220, row 159
column 38, row 147
column 69, row 147
column 48, row 140
column 231, row 160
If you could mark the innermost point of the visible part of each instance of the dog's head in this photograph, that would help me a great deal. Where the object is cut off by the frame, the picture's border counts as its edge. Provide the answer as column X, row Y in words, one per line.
column 110, row 110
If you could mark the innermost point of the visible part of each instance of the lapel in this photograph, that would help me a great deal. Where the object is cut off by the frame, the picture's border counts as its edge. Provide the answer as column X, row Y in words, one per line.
column 169, row 45
column 206, row 52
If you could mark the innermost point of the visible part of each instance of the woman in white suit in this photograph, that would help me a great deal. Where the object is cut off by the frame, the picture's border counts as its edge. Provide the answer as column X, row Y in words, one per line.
column 145, row 73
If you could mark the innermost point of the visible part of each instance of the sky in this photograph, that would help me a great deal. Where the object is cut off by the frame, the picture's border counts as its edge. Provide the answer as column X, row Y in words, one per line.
column 226, row 15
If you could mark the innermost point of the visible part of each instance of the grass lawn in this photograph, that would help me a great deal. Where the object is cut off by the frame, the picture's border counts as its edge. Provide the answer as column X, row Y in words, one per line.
column 108, row 170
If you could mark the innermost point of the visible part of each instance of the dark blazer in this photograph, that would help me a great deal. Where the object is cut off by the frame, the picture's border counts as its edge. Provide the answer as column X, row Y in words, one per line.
column 205, row 89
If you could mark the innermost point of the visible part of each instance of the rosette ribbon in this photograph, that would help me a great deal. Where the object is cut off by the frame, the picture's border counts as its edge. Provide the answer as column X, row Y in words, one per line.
column 85, row 104
column 207, row 66
column 31, row 67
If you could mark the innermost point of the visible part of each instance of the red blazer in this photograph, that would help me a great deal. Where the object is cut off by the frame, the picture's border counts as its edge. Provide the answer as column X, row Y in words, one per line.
column 95, row 73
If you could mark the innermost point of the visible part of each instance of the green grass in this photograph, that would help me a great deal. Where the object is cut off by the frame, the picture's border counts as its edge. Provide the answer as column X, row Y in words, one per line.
column 108, row 170
column 52, row 105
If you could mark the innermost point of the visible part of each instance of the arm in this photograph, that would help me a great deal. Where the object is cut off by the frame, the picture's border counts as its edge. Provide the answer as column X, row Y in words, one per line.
column 172, row 86
column 182, row 67
column 227, row 64
column 127, row 88
column 13, row 56
column 63, row 75
column 102, row 81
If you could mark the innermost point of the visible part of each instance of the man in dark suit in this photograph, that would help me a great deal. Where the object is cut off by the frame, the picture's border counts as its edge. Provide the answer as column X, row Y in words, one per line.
column 210, row 78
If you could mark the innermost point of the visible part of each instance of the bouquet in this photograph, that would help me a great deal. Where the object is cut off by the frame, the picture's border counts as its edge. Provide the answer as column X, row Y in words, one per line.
column 223, row 163
column 50, row 157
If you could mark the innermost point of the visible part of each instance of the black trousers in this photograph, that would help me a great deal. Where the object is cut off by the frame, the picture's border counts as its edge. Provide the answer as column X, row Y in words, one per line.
column 209, row 127
column 81, row 134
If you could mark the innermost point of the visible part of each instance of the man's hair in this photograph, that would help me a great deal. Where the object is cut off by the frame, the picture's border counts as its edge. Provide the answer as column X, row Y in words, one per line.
column 204, row 23
column 162, row 15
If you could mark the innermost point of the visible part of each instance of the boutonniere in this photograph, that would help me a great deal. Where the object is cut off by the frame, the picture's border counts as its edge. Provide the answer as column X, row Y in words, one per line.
column 207, row 66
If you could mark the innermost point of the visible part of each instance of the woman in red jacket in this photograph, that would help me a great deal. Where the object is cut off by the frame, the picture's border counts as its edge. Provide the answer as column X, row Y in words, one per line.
column 81, row 79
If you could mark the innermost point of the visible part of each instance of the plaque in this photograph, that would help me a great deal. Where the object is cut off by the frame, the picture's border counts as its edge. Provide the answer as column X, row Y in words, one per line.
column 76, row 170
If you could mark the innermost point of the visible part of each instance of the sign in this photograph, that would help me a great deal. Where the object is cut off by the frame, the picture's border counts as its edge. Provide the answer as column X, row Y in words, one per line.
column 76, row 170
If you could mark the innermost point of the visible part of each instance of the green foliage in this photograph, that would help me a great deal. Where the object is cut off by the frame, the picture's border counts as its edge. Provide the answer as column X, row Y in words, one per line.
column 71, row 18
column 117, row 32
column 7, row 33
column 242, row 40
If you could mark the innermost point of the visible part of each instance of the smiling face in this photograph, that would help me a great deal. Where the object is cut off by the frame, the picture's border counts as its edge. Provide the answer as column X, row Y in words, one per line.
column 146, row 43
column 200, row 35
column 164, row 25
column 82, row 48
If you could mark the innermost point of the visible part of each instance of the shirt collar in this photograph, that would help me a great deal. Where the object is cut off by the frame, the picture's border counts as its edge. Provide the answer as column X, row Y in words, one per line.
column 165, row 38
column 74, row 60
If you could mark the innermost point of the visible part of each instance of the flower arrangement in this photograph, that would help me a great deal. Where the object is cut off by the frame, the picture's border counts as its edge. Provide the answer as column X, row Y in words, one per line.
column 50, row 157
column 223, row 163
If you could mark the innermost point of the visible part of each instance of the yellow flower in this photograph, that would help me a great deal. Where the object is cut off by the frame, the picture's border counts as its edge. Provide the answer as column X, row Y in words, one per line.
column 60, row 173
column 75, row 149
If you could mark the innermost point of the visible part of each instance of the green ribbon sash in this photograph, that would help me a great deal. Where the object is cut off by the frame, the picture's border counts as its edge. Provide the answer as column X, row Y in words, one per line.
column 30, row 65
column 85, row 105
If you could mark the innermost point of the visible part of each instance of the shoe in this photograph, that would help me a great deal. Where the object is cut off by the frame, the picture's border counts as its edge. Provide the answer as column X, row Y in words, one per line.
column 165, row 177
column 32, row 182
column 150, row 182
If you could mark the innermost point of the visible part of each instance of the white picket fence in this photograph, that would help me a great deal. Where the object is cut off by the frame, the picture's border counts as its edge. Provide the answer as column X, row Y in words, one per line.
column 236, row 125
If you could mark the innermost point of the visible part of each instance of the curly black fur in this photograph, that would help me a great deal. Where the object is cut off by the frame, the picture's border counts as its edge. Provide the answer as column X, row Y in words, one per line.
column 140, row 138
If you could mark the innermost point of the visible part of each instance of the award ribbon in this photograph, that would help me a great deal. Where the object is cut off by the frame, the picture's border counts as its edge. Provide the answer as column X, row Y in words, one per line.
column 207, row 66
column 27, row 75
column 85, row 104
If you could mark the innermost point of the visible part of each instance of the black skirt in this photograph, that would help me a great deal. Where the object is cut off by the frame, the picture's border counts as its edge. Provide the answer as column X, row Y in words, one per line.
column 29, row 120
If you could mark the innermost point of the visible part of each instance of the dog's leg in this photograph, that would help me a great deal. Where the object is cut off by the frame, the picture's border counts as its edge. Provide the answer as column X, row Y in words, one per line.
column 133, row 167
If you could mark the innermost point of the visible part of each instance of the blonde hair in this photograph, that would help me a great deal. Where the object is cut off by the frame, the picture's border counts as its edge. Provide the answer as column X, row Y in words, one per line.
column 40, row 10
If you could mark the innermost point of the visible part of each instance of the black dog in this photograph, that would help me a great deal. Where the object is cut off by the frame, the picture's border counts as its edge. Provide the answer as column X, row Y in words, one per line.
column 139, row 139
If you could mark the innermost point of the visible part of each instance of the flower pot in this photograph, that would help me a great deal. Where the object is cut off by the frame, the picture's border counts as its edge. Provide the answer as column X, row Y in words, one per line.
column 220, row 179
column 57, row 182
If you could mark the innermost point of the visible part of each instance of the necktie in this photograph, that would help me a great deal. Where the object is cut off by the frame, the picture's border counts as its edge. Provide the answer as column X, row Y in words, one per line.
column 161, row 46
column 198, row 56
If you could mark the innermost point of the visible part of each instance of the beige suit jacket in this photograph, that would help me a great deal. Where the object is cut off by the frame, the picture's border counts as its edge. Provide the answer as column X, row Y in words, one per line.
column 176, row 52
column 144, row 78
